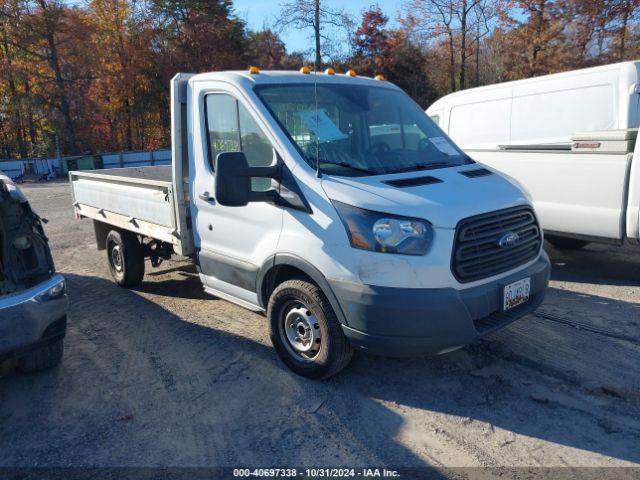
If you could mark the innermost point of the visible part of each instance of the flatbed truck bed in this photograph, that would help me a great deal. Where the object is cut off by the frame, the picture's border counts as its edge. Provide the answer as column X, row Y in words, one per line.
column 139, row 199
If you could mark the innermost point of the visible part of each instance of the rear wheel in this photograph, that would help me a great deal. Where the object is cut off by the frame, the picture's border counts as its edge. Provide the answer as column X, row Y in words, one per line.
column 566, row 243
column 125, row 257
column 305, row 331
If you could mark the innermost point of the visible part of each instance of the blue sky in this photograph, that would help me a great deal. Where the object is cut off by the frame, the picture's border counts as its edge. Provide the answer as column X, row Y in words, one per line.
column 263, row 12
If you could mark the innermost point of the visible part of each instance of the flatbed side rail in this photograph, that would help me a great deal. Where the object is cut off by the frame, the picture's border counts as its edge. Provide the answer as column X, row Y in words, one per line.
column 145, row 206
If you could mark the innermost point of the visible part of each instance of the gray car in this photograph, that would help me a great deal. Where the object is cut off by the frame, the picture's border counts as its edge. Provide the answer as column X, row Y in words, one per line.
column 33, row 298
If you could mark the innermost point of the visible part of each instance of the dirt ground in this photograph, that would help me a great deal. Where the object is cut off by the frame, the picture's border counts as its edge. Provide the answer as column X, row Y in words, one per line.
column 168, row 376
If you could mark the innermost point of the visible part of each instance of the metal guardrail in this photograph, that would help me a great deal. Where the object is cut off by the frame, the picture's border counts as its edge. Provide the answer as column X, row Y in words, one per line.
column 52, row 166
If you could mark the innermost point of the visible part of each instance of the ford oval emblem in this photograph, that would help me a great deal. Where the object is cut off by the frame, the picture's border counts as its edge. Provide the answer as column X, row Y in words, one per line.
column 509, row 239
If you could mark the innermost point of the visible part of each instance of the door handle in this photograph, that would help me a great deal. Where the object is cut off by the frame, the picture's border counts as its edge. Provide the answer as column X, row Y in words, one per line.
column 206, row 197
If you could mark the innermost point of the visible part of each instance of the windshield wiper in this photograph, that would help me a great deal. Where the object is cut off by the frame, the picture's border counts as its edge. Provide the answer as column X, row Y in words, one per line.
column 351, row 167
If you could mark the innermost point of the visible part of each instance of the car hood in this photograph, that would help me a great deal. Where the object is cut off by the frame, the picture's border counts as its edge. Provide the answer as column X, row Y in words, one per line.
column 444, row 199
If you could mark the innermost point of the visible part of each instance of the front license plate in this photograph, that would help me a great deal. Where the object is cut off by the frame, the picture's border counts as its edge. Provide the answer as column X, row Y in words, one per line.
column 516, row 293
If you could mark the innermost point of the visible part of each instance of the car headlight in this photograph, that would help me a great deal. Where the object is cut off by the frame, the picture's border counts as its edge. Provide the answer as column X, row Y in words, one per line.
column 57, row 291
column 22, row 242
column 383, row 232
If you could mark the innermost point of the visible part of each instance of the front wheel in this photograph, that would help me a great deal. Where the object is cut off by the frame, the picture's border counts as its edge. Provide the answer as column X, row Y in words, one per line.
column 43, row 358
column 305, row 331
column 126, row 258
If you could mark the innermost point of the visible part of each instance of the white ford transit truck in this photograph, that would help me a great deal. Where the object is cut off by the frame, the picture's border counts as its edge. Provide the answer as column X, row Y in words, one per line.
column 332, row 203
column 569, row 139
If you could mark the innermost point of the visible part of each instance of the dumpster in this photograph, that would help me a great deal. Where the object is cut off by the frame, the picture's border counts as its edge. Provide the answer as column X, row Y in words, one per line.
column 82, row 162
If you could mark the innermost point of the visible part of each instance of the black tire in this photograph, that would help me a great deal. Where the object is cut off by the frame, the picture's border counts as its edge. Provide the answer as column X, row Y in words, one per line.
column 126, row 258
column 566, row 243
column 334, row 352
column 43, row 358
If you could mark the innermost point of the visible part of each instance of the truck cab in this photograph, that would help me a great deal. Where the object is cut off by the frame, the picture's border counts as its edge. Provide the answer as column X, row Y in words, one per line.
column 336, row 206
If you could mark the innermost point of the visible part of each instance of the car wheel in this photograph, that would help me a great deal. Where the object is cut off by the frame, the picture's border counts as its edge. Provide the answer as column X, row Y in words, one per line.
column 43, row 358
column 305, row 331
column 126, row 258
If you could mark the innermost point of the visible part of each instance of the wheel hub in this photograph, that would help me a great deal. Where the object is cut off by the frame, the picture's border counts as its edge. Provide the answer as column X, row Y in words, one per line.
column 116, row 258
column 302, row 331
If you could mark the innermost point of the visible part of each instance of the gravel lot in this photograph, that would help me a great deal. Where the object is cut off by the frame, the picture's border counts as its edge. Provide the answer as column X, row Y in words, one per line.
column 168, row 376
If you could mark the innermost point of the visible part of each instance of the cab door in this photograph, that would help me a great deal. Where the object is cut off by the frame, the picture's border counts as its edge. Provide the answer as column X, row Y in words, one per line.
column 232, row 243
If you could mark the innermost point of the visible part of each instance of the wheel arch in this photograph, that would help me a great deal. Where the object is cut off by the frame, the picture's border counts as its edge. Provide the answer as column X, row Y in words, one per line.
column 283, row 266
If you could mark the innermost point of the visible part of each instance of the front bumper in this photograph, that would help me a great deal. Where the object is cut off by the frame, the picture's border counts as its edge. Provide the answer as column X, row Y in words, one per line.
column 412, row 321
column 33, row 316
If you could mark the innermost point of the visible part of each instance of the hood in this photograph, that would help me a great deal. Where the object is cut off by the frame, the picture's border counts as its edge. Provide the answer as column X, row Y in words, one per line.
column 443, row 196
column 25, row 258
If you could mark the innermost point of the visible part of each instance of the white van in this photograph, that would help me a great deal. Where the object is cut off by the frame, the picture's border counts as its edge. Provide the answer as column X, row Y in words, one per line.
column 568, row 138
column 334, row 205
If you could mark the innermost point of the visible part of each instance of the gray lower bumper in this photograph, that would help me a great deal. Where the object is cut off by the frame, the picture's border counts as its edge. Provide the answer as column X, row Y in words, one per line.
column 411, row 322
column 26, row 317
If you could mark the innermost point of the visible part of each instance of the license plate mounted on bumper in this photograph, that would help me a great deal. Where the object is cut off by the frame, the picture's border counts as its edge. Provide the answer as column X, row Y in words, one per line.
column 516, row 293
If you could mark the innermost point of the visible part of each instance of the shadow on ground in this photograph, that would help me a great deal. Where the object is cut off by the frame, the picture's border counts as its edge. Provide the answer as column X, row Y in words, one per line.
column 598, row 264
column 142, row 386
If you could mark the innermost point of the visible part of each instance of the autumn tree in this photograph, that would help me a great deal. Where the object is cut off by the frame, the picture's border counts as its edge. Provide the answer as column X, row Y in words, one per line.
column 379, row 49
column 316, row 16
column 50, row 40
column 372, row 42
column 458, row 25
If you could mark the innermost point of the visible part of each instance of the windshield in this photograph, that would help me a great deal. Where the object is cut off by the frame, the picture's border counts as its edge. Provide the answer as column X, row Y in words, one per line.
column 359, row 130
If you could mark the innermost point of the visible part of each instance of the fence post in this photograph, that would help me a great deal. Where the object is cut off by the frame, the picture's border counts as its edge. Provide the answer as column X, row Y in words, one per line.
column 153, row 162
column 121, row 160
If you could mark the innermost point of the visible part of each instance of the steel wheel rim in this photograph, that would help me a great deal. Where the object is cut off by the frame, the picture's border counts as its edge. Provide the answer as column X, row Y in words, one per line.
column 300, row 331
column 115, row 255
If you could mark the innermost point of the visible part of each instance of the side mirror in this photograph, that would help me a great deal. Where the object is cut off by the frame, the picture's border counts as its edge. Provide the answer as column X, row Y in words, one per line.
column 233, row 186
column 233, row 180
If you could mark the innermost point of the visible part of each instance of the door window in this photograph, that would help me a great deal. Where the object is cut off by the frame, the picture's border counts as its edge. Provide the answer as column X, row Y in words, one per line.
column 233, row 129
column 222, row 124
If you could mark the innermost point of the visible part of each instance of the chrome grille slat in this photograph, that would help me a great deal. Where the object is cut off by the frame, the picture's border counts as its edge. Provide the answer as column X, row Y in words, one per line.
column 477, row 253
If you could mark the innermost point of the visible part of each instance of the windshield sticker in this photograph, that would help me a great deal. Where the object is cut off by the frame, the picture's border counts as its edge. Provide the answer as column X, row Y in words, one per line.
column 443, row 145
column 321, row 125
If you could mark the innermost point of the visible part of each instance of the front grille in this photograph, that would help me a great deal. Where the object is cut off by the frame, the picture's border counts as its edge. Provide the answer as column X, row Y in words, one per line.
column 477, row 252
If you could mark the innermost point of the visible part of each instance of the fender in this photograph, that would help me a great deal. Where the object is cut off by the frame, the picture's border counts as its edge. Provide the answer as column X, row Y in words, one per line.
column 308, row 269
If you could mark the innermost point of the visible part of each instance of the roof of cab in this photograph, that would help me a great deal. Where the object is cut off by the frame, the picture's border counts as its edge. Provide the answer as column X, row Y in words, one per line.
column 244, row 78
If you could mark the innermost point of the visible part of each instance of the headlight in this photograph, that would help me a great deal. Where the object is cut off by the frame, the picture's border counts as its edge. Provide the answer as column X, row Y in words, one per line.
column 22, row 242
column 383, row 232
column 57, row 291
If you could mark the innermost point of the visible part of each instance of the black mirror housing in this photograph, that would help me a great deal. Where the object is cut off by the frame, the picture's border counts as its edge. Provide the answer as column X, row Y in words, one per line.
column 233, row 180
column 233, row 186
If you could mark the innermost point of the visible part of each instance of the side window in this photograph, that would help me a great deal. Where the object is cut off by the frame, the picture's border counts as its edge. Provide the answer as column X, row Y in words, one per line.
column 222, row 122
column 232, row 129
column 256, row 147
